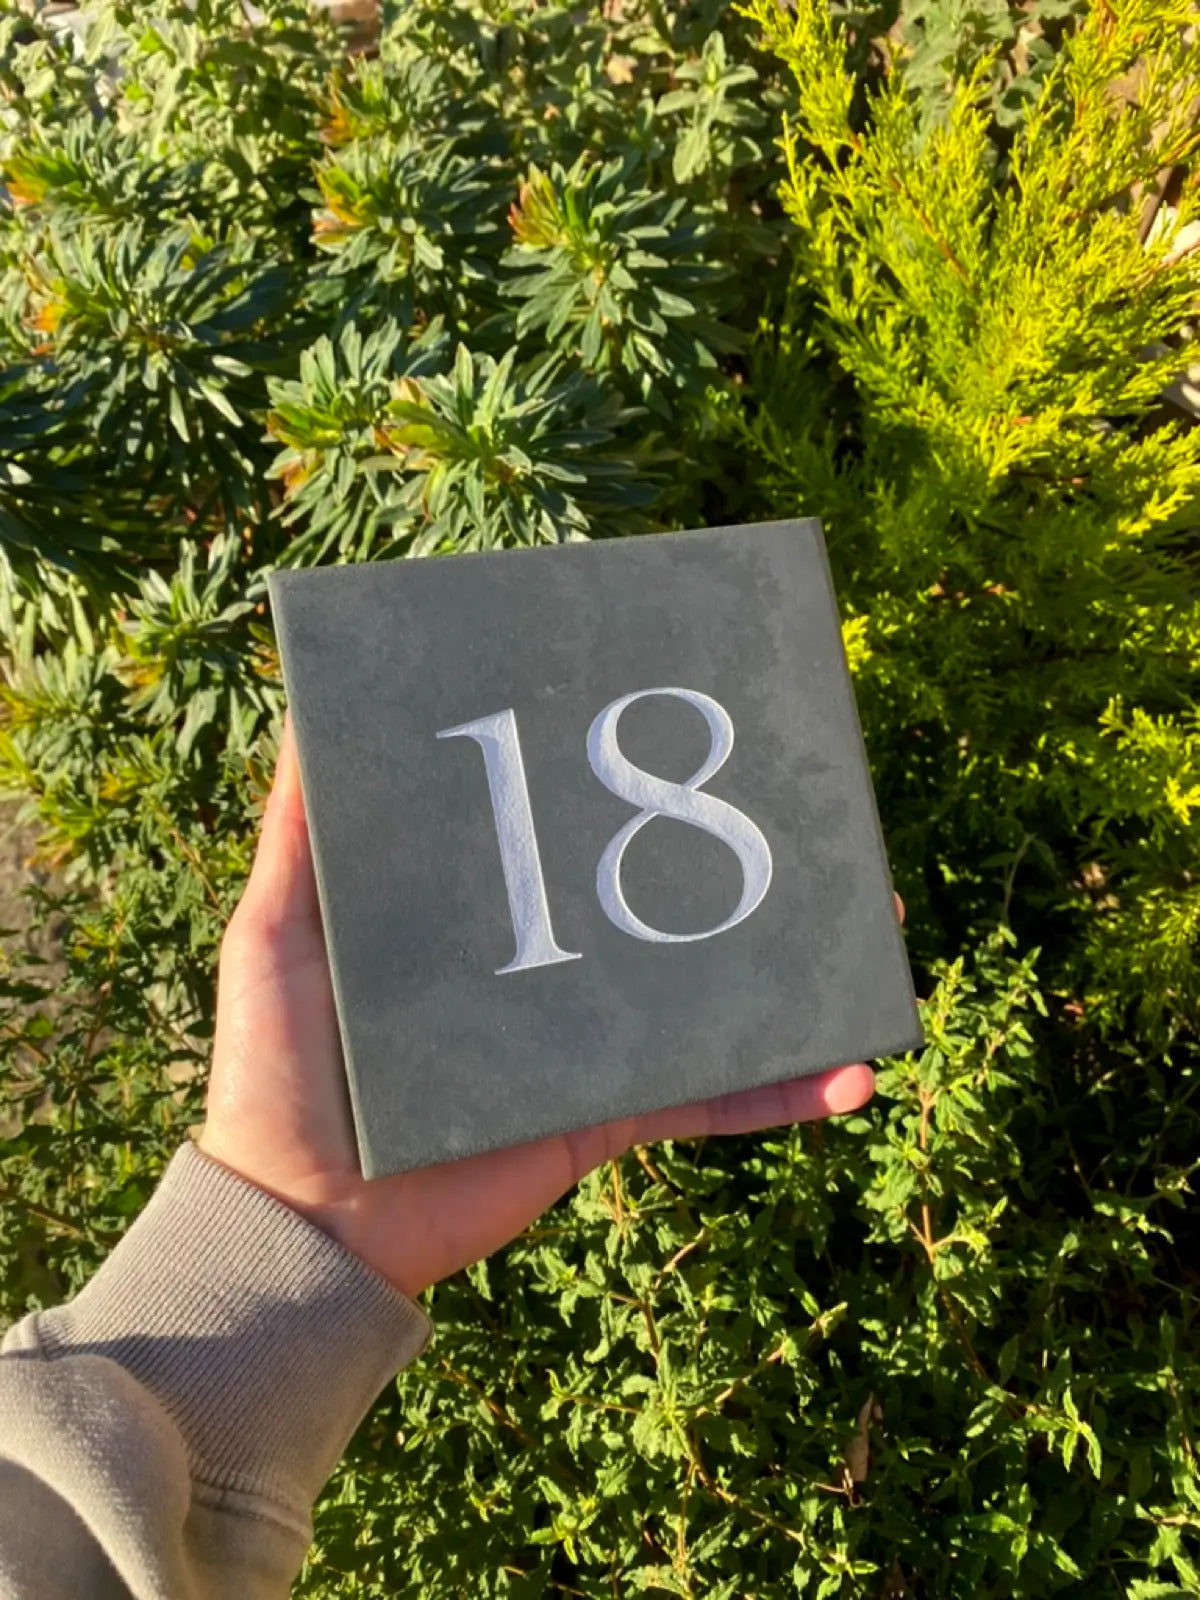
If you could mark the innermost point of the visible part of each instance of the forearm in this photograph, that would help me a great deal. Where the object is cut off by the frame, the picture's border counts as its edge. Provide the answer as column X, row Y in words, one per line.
column 166, row 1432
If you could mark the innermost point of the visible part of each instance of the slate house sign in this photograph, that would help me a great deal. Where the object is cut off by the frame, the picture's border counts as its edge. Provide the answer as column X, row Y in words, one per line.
column 593, row 829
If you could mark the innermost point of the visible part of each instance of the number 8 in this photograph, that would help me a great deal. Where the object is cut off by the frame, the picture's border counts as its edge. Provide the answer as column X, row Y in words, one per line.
column 685, row 802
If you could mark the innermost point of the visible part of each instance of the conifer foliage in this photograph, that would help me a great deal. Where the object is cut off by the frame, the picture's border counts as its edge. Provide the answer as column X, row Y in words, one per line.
column 539, row 271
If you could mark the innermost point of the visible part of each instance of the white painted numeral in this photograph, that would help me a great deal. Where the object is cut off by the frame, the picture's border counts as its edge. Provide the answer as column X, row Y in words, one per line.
column 500, row 742
column 685, row 802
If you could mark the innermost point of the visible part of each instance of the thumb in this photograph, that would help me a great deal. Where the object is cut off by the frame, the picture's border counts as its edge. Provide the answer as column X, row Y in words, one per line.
column 282, row 887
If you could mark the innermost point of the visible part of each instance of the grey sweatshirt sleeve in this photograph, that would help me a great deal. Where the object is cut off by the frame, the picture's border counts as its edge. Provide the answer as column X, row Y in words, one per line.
column 163, row 1435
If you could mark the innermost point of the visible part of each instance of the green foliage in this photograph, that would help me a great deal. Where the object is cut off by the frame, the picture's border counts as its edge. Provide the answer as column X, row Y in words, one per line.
column 463, row 460
column 533, row 272
column 1018, row 512
column 804, row 1363
column 616, row 268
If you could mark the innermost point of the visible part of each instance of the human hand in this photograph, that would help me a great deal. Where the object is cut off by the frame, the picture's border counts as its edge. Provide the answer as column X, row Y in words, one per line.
column 279, row 1115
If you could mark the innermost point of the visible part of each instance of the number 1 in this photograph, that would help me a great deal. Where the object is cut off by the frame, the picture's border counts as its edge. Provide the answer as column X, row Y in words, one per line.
column 500, row 742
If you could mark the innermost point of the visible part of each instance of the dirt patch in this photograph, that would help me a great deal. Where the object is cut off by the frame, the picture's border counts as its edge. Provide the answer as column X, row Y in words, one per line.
column 30, row 943
column 26, row 939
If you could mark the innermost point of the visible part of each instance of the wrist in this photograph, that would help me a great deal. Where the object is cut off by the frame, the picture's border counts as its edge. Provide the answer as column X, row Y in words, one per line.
column 215, row 1291
column 340, row 1205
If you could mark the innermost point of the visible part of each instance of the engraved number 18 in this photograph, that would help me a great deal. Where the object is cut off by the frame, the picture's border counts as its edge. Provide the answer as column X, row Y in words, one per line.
column 498, row 738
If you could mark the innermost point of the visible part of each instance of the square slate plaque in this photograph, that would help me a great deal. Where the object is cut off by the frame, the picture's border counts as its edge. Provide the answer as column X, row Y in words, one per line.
column 593, row 830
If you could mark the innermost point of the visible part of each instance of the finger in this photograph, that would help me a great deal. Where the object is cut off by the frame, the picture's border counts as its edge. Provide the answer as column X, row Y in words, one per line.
column 899, row 906
column 825, row 1094
column 282, row 887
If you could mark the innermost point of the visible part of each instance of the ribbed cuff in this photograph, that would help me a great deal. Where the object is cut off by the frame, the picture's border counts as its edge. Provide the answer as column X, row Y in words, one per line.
column 264, row 1339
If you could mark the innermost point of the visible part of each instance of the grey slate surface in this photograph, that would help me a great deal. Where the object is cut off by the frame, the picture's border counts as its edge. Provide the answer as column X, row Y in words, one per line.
column 445, row 1054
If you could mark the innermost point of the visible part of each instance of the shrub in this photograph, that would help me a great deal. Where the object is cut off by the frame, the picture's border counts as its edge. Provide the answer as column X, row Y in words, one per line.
column 532, row 273
column 1015, row 524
